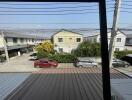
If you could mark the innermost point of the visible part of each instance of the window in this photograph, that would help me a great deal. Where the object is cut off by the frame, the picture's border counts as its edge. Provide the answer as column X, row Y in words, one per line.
column 116, row 49
column 22, row 40
column 70, row 38
column 60, row 39
column 14, row 40
column 118, row 39
column 32, row 40
column 60, row 49
column 78, row 39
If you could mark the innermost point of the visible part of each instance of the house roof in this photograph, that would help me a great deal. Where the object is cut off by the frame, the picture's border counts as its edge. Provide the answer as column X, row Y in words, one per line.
column 67, row 31
column 129, row 35
column 9, row 81
column 108, row 31
column 20, row 35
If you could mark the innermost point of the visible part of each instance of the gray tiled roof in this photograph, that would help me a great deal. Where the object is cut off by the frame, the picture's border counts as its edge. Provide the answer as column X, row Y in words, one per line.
column 20, row 35
column 129, row 35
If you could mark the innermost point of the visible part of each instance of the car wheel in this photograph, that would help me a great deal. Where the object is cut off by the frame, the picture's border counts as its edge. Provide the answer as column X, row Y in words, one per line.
column 80, row 66
column 37, row 66
column 95, row 66
column 126, row 66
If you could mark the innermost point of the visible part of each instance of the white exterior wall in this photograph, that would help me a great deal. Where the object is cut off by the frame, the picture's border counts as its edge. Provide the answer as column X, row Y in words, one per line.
column 120, row 45
column 10, row 42
column 1, row 42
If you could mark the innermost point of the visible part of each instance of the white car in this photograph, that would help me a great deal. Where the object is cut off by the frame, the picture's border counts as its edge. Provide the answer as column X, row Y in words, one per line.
column 86, row 63
column 33, row 56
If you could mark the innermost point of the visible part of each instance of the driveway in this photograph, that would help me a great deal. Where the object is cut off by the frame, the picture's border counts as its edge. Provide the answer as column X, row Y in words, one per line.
column 18, row 64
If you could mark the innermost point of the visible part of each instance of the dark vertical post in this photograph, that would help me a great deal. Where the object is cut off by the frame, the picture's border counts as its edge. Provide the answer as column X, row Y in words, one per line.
column 104, row 51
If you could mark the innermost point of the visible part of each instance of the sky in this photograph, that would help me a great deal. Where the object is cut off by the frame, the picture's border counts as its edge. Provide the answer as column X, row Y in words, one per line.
column 60, row 15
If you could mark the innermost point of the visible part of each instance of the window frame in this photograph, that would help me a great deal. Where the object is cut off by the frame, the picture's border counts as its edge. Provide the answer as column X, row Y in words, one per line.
column 59, row 39
column 118, row 40
column 77, row 39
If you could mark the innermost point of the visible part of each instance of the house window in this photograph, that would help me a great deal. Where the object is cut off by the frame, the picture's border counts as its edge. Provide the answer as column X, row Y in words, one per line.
column 32, row 40
column 22, row 40
column 60, row 39
column 70, row 38
column 116, row 49
column 78, row 39
column 60, row 49
column 14, row 40
column 118, row 39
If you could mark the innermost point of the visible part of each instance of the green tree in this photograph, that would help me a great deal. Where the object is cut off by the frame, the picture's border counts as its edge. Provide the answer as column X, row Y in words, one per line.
column 87, row 49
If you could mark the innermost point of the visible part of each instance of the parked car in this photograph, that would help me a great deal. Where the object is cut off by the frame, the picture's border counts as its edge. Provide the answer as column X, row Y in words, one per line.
column 45, row 63
column 119, row 63
column 127, row 58
column 33, row 56
column 85, row 63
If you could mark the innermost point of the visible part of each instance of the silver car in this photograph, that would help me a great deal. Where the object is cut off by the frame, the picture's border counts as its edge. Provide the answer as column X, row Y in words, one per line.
column 85, row 63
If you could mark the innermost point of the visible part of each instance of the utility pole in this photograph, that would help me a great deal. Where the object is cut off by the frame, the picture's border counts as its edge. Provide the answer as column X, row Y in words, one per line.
column 114, row 30
column 5, row 47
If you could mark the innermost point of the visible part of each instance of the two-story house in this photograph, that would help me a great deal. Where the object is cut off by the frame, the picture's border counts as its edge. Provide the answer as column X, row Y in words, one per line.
column 119, row 41
column 16, row 42
column 66, row 41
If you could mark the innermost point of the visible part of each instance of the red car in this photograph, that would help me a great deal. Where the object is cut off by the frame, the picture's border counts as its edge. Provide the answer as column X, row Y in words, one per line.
column 45, row 63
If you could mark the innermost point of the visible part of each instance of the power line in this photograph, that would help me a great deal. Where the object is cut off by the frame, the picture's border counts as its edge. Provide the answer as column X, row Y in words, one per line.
column 54, row 10
column 54, row 14
column 48, row 23
column 43, row 3
column 126, row 1
column 71, row 7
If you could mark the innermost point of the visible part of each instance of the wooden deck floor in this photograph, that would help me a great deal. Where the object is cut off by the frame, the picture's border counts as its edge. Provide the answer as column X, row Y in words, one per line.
column 63, row 84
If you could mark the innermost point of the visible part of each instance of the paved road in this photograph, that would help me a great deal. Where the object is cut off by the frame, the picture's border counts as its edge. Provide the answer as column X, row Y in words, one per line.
column 18, row 64
column 22, row 64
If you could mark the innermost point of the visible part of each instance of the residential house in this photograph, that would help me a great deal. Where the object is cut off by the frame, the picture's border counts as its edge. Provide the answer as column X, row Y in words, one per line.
column 119, row 41
column 128, row 44
column 17, row 42
column 66, row 41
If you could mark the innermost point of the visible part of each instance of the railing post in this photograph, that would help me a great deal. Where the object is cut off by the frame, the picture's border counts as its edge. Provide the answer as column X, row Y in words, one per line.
column 104, row 51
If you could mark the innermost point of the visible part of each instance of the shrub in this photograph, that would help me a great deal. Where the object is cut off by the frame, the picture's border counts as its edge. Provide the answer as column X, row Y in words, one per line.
column 63, row 58
column 87, row 49
column 42, row 54
column 120, row 54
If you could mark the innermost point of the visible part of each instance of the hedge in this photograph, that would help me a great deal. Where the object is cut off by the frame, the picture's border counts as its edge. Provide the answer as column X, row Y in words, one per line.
column 63, row 58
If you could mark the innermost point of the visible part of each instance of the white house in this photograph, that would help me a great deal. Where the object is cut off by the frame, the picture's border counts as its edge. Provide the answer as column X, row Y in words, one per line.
column 17, row 42
column 66, row 41
column 119, row 41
